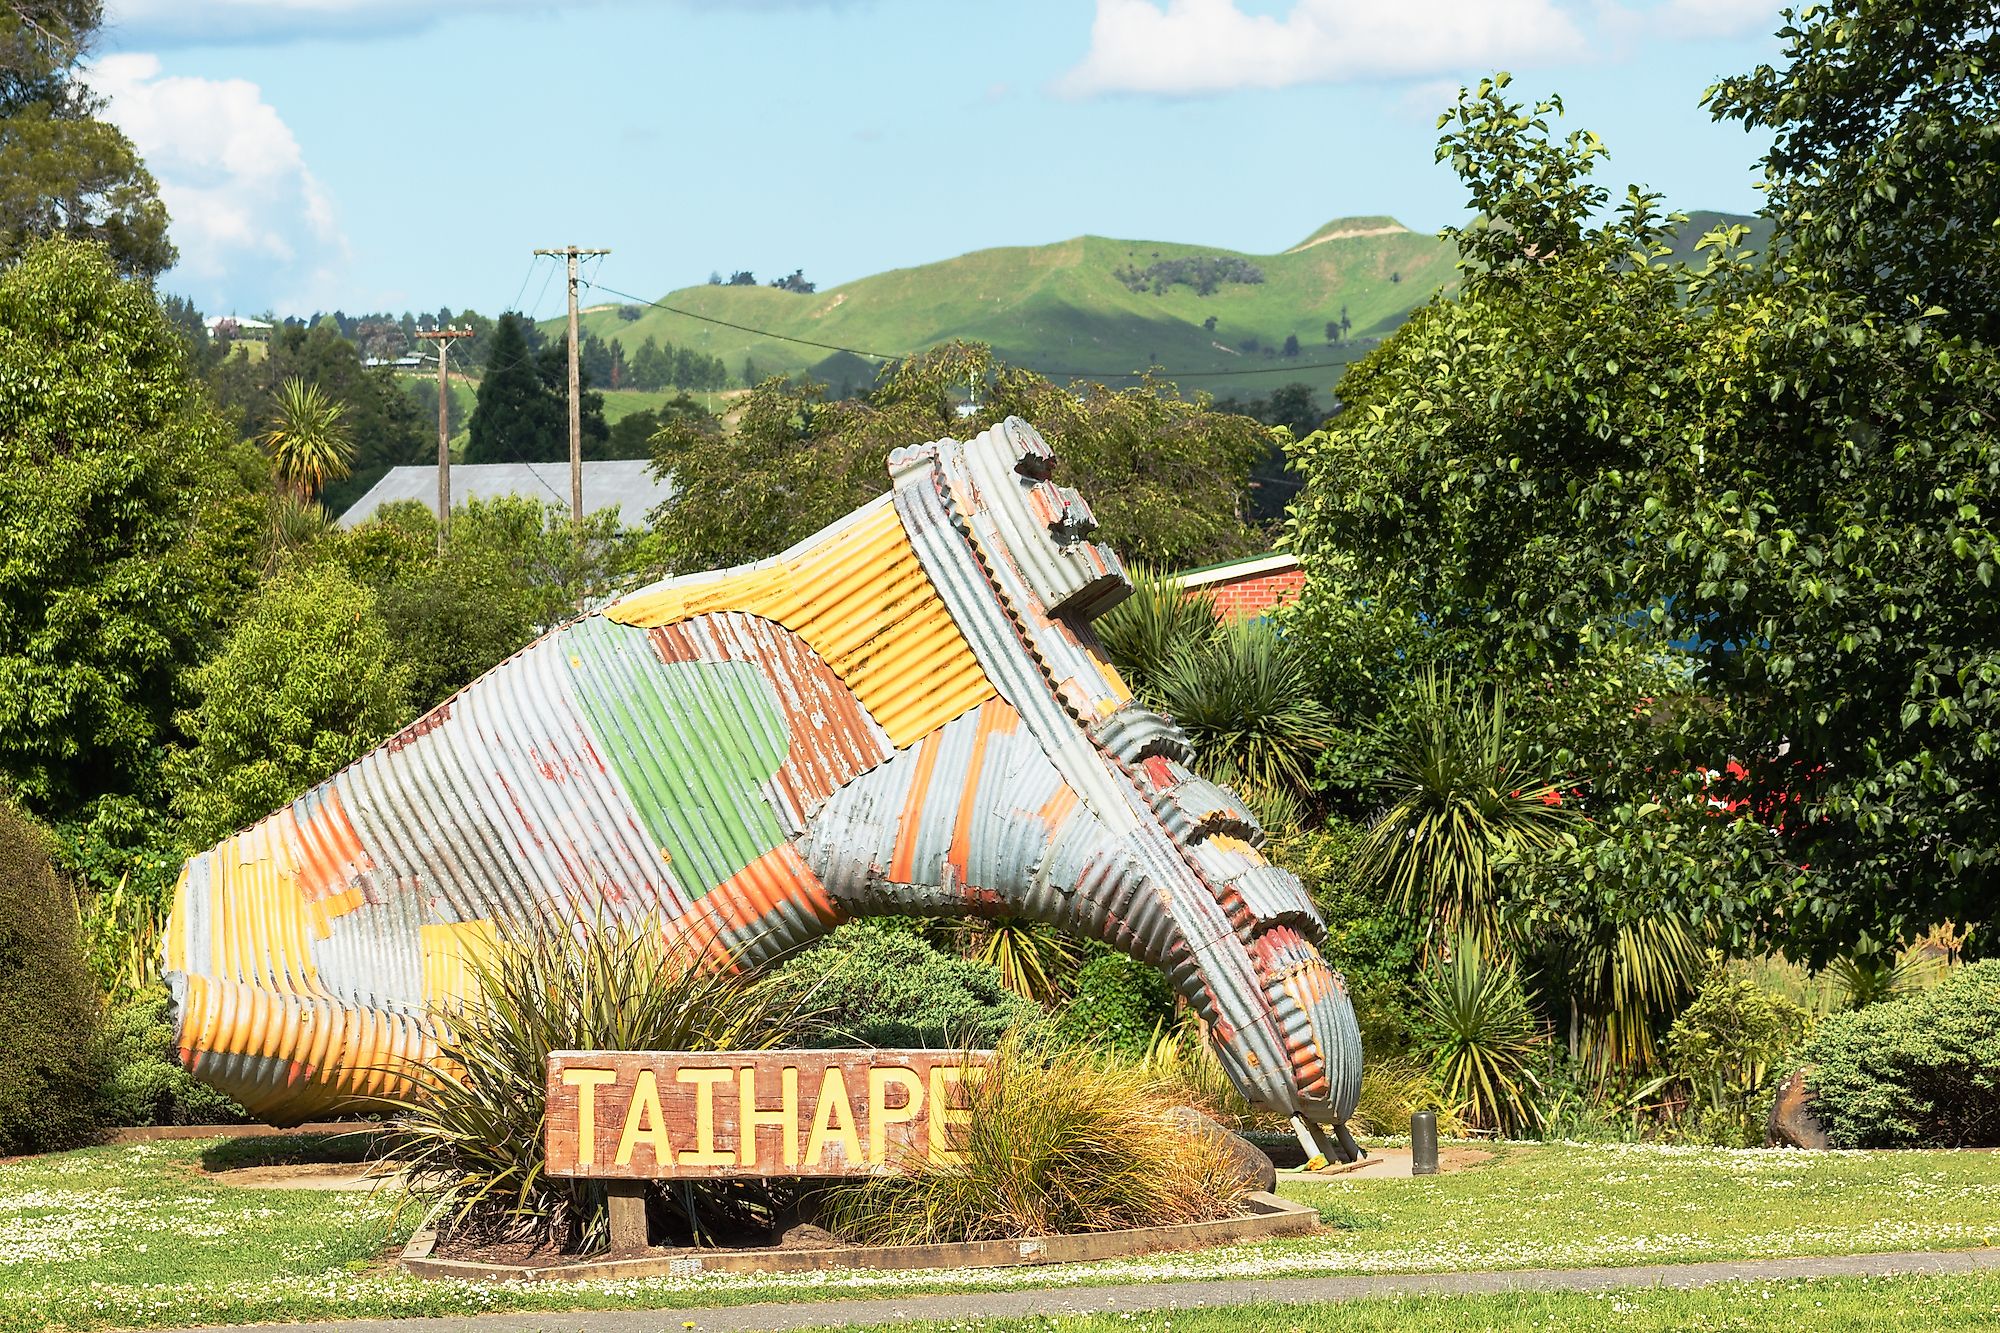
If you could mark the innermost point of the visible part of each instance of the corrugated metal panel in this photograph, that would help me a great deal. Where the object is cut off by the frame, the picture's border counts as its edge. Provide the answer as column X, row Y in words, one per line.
column 887, row 718
column 862, row 601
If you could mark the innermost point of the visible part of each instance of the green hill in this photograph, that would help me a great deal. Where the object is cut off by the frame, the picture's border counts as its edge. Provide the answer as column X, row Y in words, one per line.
column 1092, row 306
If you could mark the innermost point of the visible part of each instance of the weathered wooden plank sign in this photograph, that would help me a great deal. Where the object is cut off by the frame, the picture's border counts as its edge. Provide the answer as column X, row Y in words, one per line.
column 661, row 1115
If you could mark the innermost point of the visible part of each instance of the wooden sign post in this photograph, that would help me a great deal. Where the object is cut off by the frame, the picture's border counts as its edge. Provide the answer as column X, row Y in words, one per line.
column 629, row 1116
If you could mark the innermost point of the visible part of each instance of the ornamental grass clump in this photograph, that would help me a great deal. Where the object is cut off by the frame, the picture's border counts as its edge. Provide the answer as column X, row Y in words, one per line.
column 1055, row 1142
column 471, row 1134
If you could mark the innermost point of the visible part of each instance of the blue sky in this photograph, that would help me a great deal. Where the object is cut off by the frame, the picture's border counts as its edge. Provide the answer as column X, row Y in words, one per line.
column 407, row 154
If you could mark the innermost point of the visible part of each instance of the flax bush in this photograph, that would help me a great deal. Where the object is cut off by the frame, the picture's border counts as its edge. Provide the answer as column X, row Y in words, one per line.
column 1057, row 1142
column 472, row 1133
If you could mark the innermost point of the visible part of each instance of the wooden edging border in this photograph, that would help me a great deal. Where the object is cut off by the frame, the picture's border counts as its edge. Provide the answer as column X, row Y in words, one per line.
column 1269, row 1216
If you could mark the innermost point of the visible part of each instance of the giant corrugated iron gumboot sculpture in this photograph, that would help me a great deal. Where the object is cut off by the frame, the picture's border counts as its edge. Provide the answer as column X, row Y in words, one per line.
column 905, row 714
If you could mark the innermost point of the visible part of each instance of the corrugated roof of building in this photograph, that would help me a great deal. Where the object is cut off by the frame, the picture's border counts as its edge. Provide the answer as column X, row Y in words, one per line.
column 622, row 484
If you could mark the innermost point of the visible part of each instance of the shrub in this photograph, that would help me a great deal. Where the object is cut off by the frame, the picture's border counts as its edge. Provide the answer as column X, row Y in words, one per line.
column 1245, row 698
column 144, row 1081
column 1119, row 1004
column 1919, row 1072
column 1728, row 1044
column 308, row 681
column 1142, row 633
column 48, row 1011
column 473, row 1137
column 1473, row 1014
column 1057, row 1142
column 871, row 985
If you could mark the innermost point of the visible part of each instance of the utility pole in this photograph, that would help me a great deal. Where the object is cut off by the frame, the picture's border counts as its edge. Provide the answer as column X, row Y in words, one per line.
column 444, row 339
column 571, row 253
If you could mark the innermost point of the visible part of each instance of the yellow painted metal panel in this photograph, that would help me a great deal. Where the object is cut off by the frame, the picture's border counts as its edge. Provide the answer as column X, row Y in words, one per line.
column 449, row 948
column 861, row 600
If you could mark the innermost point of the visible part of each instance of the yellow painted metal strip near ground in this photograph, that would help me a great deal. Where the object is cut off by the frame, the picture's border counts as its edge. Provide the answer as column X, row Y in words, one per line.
column 862, row 601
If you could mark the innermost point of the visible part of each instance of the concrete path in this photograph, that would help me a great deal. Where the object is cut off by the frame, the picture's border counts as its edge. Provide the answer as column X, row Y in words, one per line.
column 1153, row 1296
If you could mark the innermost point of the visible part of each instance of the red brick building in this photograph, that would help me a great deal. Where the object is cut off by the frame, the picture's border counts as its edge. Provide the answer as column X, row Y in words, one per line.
column 1251, row 586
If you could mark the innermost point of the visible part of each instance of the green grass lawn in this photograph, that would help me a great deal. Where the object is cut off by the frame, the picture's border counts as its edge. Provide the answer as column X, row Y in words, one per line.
column 136, row 1237
column 1823, row 1303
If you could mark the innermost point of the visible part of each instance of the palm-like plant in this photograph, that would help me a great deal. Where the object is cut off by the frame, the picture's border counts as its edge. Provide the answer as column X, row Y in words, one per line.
column 1245, row 699
column 295, row 524
column 1623, row 981
column 1474, row 1010
column 1463, row 800
column 472, row 1133
column 1142, row 633
column 1032, row 959
column 309, row 444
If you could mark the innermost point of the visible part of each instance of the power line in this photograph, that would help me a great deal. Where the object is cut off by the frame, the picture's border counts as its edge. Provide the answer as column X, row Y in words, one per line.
column 900, row 356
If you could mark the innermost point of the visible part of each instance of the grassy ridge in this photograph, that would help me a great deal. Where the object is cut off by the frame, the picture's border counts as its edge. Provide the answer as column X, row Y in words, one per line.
column 1061, row 309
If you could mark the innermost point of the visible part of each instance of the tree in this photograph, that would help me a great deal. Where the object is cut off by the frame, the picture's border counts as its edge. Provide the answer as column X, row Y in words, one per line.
column 1291, row 345
column 305, row 685
column 63, row 172
column 1884, row 174
column 309, row 445
column 127, row 526
column 594, row 437
column 743, row 277
column 1745, row 460
column 1166, row 477
column 511, row 569
column 795, row 281
column 515, row 418
column 385, row 425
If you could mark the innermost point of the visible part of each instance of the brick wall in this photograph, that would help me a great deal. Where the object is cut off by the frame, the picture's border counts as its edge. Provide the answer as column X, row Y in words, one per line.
column 1255, row 594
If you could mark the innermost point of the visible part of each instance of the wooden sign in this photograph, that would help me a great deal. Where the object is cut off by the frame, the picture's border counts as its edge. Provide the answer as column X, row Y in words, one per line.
column 658, row 1115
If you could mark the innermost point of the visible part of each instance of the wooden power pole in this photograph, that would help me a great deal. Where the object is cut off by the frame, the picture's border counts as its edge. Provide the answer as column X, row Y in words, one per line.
column 444, row 339
column 571, row 253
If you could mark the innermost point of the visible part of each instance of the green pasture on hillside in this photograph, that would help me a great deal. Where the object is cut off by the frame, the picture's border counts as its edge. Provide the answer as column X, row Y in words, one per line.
column 1061, row 309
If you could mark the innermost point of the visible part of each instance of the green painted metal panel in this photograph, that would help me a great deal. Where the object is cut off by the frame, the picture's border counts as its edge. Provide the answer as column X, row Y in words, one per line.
column 691, row 742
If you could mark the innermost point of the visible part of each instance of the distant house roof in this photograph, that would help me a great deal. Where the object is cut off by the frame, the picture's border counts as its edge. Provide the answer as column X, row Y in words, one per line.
column 622, row 484
column 243, row 322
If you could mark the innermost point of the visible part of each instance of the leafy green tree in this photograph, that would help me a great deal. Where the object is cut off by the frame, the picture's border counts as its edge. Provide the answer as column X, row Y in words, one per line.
column 63, row 172
column 512, row 569
column 128, row 531
column 1741, row 459
column 652, row 366
column 1166, row 477
column 307, row 683
column 1884, row 175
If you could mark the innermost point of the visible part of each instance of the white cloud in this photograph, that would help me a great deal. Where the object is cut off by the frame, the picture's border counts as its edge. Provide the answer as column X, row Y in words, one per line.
column 248, row 215
column 1211, row 46
column 1716, row 18
column 156, row 24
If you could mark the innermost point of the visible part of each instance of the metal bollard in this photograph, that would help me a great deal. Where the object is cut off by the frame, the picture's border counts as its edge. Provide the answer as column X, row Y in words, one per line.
column 1424, row 1143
